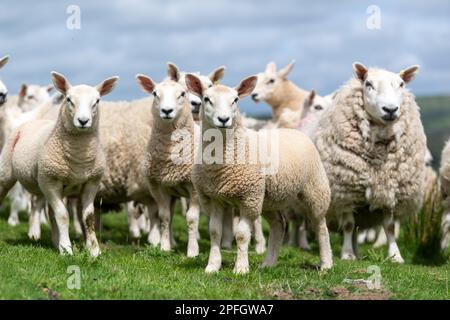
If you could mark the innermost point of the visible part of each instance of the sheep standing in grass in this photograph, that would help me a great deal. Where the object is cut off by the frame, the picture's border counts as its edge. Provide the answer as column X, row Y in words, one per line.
column 444, row 178
column 373, row 146
column 168, row 179
column 275, row 89
column 57, row 159
column 233, row 180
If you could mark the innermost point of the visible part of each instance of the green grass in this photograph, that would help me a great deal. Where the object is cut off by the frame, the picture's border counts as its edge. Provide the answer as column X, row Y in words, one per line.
column 136, row 271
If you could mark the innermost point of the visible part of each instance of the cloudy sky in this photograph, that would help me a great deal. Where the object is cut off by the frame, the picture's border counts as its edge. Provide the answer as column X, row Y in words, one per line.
column 125, row 37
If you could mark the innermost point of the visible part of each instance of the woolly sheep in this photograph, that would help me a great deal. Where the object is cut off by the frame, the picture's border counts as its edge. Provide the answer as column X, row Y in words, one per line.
column 231, row 181
column 166, row 178
column 275, row 89
column 57, row 159
column 373, row 145
column 444, row 179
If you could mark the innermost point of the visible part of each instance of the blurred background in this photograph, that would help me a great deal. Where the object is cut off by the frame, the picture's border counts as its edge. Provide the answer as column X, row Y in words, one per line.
column 125, row 37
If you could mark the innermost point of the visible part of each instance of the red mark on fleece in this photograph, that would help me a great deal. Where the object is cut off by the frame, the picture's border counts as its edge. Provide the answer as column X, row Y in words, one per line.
column 16, row 139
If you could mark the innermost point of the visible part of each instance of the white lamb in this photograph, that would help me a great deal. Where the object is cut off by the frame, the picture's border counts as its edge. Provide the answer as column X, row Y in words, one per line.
column 225, row 178
column 373, row 146
column 57, row 159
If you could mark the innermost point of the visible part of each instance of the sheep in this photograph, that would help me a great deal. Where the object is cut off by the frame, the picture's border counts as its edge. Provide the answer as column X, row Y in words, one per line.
column 166, row 178
column 54, row 159
column 372, row 143
column 228, row 179
column 275, row 89
column 444, row 180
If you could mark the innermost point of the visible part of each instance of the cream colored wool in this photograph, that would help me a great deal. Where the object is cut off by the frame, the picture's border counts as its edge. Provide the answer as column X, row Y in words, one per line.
column 57, row 159
column 369, row 165
column 444, row 179
column 299, row 178
column 275, row 89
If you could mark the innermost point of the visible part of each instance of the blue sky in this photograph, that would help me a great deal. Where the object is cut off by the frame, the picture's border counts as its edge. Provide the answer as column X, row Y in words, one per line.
column 125, row 37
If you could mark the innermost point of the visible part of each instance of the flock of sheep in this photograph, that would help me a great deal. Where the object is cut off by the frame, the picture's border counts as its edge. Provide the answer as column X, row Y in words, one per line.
column 354, row 161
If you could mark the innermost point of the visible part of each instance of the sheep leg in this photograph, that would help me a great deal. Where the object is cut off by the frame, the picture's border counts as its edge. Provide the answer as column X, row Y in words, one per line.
column 192, row 219
column 72, row 207
column 362, row 236
column 18, row 197
column 154, row 235
column 348, row 222
column 143, row 219
column 173, row 202
column 389, row 229
column 445, row 226
column 260, row 246
column 381, row 239
column 133, row 226
column 277, row 224
column 294, row 232
column 227, row 229
column 34, row 230
column 165, row 216
column 243, row 235
column 53, row 225
column 88, row 216
column 215, row 234
column 326, row 256
column 53, row 193
column 303, row 236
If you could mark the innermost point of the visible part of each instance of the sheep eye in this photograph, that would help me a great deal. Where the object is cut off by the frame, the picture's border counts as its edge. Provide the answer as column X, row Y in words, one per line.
column 318, row 107
column 369, row 85
column 96, row 102
column 31, row 97
column 69, row 101
column 154, row 94
column 402, row 85
column 207, row 100
column 183, row 94
column 271, row 81
column 236, row 100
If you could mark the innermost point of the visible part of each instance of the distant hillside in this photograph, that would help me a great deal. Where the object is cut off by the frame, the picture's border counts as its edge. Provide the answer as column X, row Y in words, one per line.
column 435, row 113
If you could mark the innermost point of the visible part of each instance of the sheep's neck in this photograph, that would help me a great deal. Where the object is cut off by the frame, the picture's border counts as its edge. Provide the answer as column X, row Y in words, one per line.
column 77, row 147
column 288, row 96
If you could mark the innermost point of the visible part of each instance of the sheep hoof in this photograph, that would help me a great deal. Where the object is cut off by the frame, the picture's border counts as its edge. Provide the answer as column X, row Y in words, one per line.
column 348, row 256
column 260, row 248
column 66, row 251
column 397, row 258
column 241, row 269
column 34, row 236
column 326, row 266
column 94, row 252
column 13, row 221
column 211, row 268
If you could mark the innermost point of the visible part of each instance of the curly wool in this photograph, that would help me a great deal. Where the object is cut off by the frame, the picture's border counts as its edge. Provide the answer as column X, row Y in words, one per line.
column 381, row 167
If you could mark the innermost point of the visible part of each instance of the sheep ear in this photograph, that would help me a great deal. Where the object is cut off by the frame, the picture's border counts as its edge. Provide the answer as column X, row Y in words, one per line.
column 360, row 71
column 246, row 86
column 60, row 82
column 271, row 67
column 50, row 88
column 23, row 90
column 217, row 75
column 146, row 83
column 194, row 84
column 173, row 72
column 409, row 74
column 3, row 61
column 107, row 85
column 311, row 97
column 283, row 73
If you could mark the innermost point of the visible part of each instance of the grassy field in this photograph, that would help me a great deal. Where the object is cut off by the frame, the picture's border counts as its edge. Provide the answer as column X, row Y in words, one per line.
column 136, row 271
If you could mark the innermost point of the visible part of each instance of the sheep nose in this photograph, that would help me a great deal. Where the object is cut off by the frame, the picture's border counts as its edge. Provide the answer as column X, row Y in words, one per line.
column 83, row 121
column 166, row 111
column 390, row 109
column 223, row 120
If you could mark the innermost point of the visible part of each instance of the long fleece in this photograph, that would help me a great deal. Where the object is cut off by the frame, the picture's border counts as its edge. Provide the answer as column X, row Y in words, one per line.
column 372, row 166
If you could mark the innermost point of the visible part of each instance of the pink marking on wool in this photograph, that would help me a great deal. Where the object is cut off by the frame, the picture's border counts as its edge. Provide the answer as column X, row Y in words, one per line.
column 16, row 139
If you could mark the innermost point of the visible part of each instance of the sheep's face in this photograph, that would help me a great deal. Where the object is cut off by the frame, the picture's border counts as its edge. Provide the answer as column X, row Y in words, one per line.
column 31, row 96
column 195, row 102
column 3, row 93
column 383, row 91
column 169, row 98
column 269, row 82
column 220, row 102
column 80, row 106
column 315, row 105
